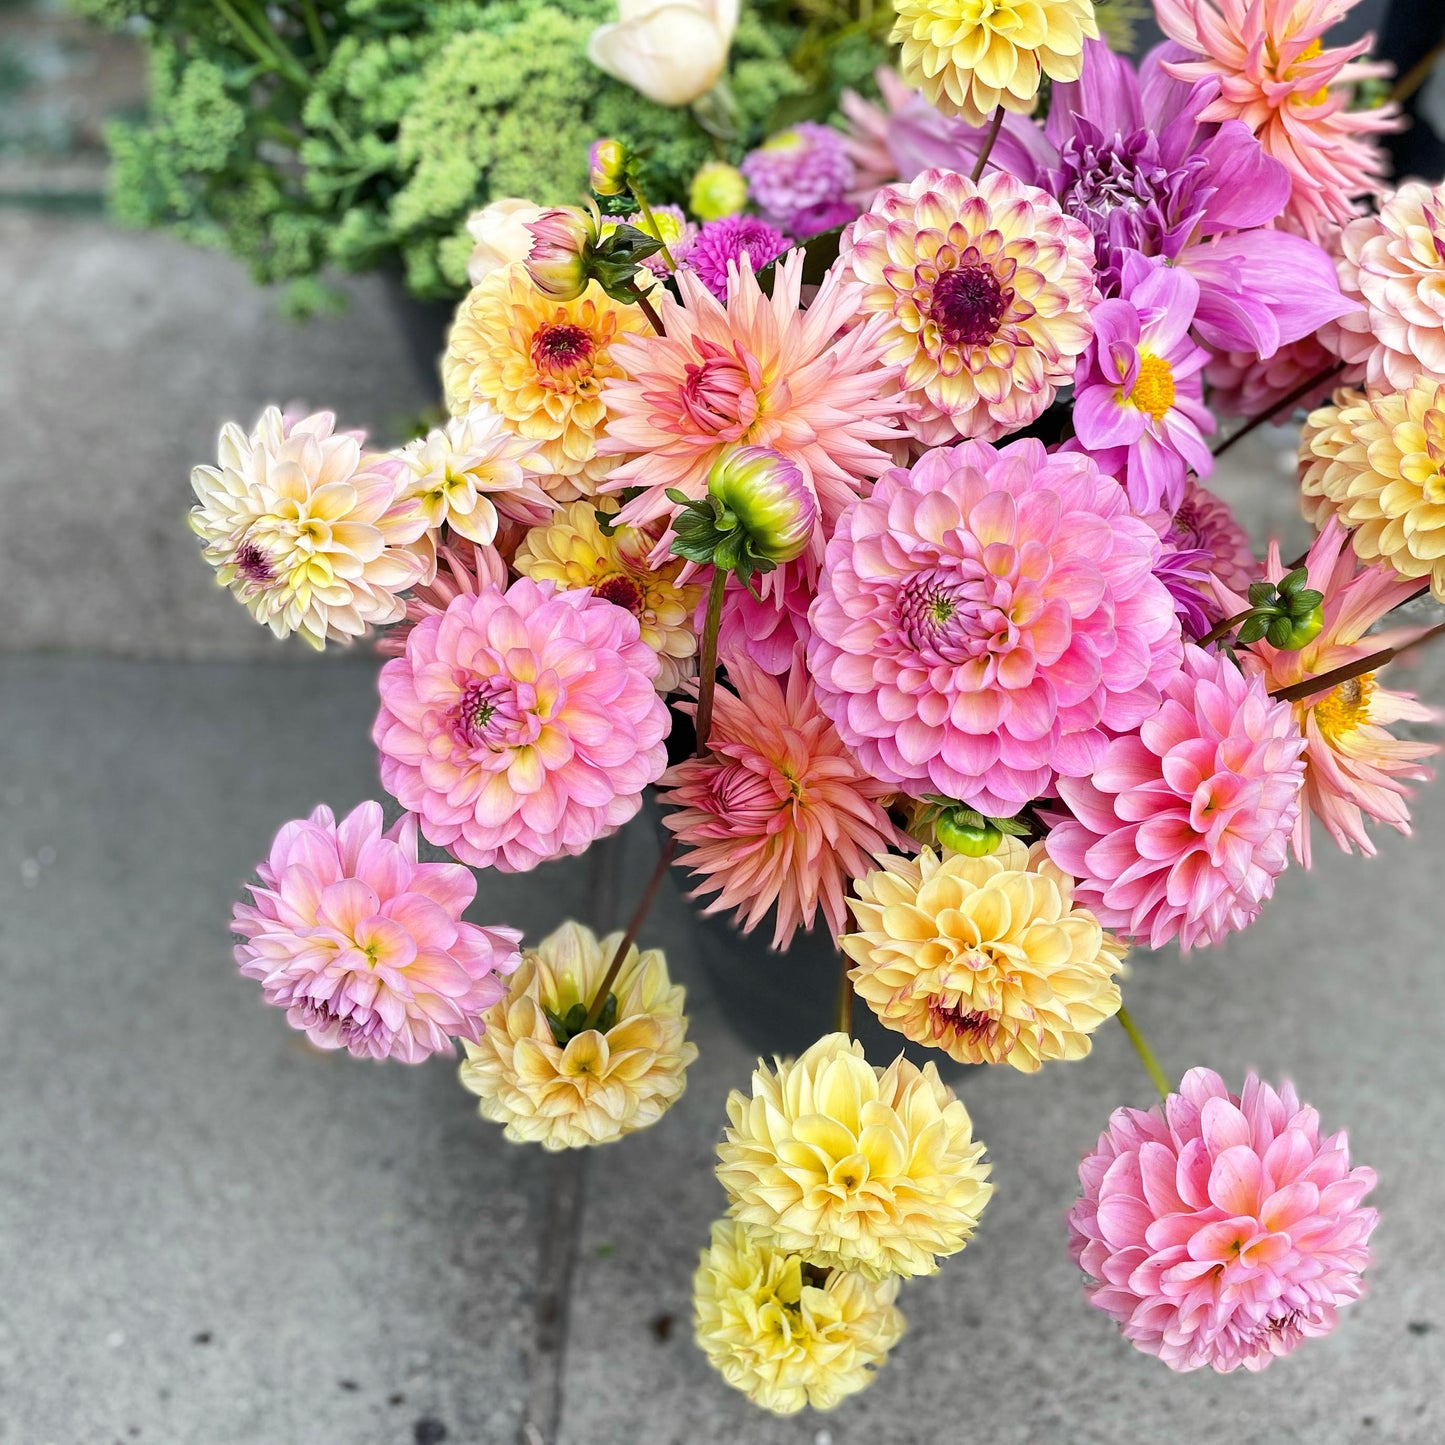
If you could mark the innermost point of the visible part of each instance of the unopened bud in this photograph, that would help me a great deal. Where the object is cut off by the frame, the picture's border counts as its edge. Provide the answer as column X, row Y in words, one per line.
column 717, row 190
column 608, row 160
column 558, row 260
column 769, row 499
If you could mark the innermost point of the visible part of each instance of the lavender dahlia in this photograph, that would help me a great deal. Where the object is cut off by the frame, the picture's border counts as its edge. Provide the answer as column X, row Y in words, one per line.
column 798, row 173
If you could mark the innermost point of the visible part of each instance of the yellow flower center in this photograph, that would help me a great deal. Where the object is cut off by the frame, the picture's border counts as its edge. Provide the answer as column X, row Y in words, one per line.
column 1154, row 388
column 1345, row 707
column 1312, row 51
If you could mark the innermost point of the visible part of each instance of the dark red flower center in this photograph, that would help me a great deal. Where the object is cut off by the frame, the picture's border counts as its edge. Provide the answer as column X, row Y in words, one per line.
column 561, row 348
column 253, row 564
column 622, row 591
column 968, row 304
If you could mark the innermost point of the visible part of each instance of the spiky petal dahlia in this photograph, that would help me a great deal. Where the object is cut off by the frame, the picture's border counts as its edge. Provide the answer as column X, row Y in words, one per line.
column 602, row 1082
column 1274, row 74
column 779, row 812
column 521, row 725
column 986, row 958
column 1355, row 768
column 968, row 56
column 1183, row 826
column 1378, row 464
column 306, row 529
column 783, row 1332
column 541, row 364
column 984, row 620
column 754, row 371
column 986, row 289
column 1393, row 265
column 1221, row 1230
column 852, row 1167
column 363, row 946
column 573, row 551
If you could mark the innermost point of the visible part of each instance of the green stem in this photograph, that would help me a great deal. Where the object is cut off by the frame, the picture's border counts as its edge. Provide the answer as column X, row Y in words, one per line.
column 1228, row 625
column 277, row 59
column 1146, row 1054
column 314, row 30
column 843, row 1015
column 634, row 927
column 994, row 125
column 707, row 666
column 652, row 222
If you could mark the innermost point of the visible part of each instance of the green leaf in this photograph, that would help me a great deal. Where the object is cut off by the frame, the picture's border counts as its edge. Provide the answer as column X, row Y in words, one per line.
column 1306, row 601
column 1261, row 594
column 819, row 253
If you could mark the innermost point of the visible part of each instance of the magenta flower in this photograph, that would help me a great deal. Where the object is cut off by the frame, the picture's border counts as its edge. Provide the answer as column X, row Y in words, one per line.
column 729, row 240
column 984, row 620
column 795, row 174
column 1204, row 545
column 1183, row 826
column 1138, row 402
column 521, row 725
column 1222, row 1231
column 364, row 947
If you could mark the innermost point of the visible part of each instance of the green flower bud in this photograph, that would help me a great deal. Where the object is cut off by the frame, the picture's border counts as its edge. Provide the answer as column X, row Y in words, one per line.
column 1302, row 630
column 768, row 499
column 717, row 190
column 558, row 263
column 967, row 832
column 608, row 167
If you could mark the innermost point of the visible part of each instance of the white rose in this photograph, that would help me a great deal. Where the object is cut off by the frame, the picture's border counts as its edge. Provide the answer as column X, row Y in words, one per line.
column 671, row 51
column 501, row 236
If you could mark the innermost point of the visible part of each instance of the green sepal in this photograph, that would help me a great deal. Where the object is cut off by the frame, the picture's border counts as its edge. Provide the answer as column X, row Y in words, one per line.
column 1253, row 628
column 566, row 1027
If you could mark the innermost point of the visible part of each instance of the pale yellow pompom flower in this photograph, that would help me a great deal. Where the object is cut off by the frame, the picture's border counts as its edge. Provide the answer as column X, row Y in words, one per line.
column 604, row 1082
column 970, row 56
column 863, row 1169
column 1378, row 463
column 573, row 551
column 784, row 1332
column 985, row 958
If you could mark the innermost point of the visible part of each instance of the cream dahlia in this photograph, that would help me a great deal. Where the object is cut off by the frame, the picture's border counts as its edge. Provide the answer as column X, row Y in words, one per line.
column 784, row 1332
column 564, row 1087
column 306, row 529
column 985, row 958
column 856, row 1168
column 986, row 289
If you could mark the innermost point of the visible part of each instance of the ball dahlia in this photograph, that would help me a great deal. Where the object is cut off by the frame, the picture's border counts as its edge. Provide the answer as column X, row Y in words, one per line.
column 769, row 626
column 1182, row 827
column 784, row 1333
column 563, row 1089
column 856, row 1168
column 728, row 242
column 1245, row 384
column 1221, row 1230
column 799, row 170
column 363, row 946
column 986, row 619
column 986, row 289
column 986, row 958
column 306, row 529
column 521, row 725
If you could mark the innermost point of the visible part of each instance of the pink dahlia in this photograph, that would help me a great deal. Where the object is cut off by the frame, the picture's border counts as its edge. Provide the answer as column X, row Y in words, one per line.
column 868, row 128
column 1221, row 1230
column 726, row 242
column 521, row 725
column 364, row 947
column 780, row 812
column 463, row 568
column 753, row 371
column 769, row 625
column 798, row 171
column 984, row 621
column 1245, row 384
column 1275, row 75
column 1183, row 826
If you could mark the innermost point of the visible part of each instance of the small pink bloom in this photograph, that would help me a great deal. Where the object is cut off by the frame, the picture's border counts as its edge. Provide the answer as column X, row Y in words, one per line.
column 768, row 627
column 363, row 946
column 1221, row 1230
column 1245, row 384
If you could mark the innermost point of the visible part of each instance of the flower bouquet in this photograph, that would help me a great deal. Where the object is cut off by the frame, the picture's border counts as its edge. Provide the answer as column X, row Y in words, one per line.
column 859, row 510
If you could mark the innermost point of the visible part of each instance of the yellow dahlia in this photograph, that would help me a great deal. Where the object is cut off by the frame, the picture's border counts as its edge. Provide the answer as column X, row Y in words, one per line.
column 985, row 958
column 541, row 365
column 1378, row 463
column 573, row 551
column 969, row 56
column 784, row 1332
column 856, row 1168
column 601, row 1083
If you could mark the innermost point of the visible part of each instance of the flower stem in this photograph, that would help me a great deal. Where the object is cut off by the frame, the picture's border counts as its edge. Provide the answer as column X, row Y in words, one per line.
column 993, row 129
column 1227, row 626
column 843, row 1016
column 1146, row 1054
column 1322, row 682
column 1303, row 389
column 314, row 30
column 707, row 667
column 652, row 222
column 634, row 927
column 647, row 308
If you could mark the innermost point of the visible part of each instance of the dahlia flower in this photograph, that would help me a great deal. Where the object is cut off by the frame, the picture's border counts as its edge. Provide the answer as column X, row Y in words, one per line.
column 852, row 1167
column 672, row 227
column 867, row 128
column 1274, row 74
column 779, row 812
column 363, row 946
column 466, row 473
column 573, row 551
column 798, row 170
column 1378, row 464
column 1183, row 826
column 985, row 958
column 1392, row 267
column 1355, row 768
column 780, row 1333
column 985, row 620
column 1203, row 545
column 969, row 58
column 1244, row 384
column 1138, row 403
column 724, row 243
column 306, row 529
column 753, row 371
column 541, row 365
column 603, row 1082
column 462, row 567
column 521, row 725
column 768, row 627
column 717, row 190
column 1221, row 1230
column 986, row 290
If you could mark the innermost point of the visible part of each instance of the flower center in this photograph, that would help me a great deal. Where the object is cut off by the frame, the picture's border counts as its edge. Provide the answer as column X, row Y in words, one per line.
column 955, row 1019
column 1154, row 389
column 742, row 796
column 622, row 591
column 253, row 564
column 557, row 349
column 947, row 617
column 1312, row 51
column 1345, row 706
column 487, row 714
column 712, row 392
column 967, row 305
